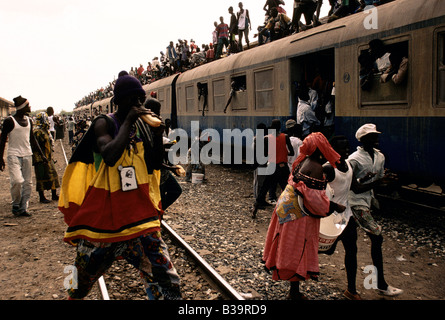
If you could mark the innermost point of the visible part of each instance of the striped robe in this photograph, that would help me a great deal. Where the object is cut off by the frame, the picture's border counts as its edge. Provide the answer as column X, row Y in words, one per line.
column 94, row 206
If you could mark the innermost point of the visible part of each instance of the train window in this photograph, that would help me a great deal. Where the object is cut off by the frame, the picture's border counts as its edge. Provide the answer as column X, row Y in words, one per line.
column 440, row 95
column 189, row 99
column 219, row 95
column 264, row 89
column 239, row 85
column 160, row 95
column 383, row 81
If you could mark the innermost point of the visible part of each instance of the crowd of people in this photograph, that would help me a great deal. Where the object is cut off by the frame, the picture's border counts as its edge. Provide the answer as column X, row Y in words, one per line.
column 318, row 178
column 123, row 156
column 228, row 38
column 118, row 183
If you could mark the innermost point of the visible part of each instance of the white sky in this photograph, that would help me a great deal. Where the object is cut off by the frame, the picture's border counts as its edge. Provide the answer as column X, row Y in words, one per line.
column 55, row 52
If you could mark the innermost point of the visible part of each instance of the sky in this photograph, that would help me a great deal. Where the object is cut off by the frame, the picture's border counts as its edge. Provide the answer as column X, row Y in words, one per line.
column 55, row 52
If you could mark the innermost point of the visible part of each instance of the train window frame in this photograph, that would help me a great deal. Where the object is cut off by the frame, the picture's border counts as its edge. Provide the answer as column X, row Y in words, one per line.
column 189, row 98
column 258, row 91
column 160, row 95
column 219, row 96
column 439, row 67
column 239, row 103
column 385, row 103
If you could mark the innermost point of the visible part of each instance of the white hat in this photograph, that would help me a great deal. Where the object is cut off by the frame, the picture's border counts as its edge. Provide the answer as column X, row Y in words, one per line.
column 366, row 129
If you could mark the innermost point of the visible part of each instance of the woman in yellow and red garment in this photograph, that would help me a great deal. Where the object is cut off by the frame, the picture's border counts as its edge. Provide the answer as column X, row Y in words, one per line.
column 111, row 201
column 291, row 246
column 45, row 171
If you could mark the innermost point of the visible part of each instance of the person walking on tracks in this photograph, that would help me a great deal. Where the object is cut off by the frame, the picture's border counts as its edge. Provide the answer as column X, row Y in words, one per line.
column 111, row 201
column 368, row 166
column 291, row 246
column 17, row 131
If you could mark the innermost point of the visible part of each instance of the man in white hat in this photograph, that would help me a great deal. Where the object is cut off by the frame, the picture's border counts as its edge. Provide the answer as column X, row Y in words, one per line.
column 17, row 131
column 368, row 166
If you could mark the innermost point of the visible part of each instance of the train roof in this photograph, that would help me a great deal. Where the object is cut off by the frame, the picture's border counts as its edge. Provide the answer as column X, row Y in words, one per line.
column 102, row 102
column 159, row 83
column 397, row 16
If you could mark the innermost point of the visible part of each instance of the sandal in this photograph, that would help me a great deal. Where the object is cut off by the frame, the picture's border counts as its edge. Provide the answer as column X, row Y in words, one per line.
column 390, row 291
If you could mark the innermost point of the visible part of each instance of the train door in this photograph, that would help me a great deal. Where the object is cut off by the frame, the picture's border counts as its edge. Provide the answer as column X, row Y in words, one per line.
column 315, row 73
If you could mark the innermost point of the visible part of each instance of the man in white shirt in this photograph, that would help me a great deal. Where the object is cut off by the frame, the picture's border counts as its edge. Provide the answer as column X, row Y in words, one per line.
column 17, row 131
column 368, row 166
column 305, row 114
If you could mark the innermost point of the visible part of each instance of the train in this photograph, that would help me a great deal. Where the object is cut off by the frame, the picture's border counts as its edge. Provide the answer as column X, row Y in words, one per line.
column 409, row 115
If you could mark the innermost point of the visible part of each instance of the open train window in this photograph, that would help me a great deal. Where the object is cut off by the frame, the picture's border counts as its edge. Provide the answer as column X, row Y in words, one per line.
column 264, row 80
column 203, row 95
column 383, row 73
column 440, row 70
column 239, row 85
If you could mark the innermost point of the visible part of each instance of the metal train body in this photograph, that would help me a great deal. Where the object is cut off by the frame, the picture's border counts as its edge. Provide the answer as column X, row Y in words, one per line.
column 410, row 116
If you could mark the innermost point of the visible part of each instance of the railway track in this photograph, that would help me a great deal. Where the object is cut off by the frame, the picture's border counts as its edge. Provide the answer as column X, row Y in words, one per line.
column 209, row 273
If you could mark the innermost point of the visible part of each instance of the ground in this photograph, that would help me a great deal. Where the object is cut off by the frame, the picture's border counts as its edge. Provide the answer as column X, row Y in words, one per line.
column 33, row 256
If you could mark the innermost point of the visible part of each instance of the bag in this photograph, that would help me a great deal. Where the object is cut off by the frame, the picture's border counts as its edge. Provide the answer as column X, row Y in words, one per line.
column 289, row 206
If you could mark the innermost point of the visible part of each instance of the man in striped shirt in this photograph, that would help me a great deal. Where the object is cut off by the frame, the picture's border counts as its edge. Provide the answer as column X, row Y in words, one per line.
column 223, row 37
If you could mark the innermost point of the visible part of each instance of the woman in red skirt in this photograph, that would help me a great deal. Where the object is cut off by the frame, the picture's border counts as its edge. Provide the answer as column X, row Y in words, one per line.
column 291, row 248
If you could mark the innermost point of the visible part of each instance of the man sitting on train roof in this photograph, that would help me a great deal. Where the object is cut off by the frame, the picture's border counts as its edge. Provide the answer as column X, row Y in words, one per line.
column 278, row 25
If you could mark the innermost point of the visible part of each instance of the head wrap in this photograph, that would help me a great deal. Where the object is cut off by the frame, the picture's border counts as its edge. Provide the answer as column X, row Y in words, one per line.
column 20, row 102
column 125, row 86
column 42, row 121
column 313, row 142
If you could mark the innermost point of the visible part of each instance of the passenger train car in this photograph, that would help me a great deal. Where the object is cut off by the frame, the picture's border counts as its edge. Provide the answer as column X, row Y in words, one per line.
column 409, row 115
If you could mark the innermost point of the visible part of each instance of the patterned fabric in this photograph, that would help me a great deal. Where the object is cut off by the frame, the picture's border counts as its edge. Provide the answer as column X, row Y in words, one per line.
column 46, row 173
column 42, row 121
column 365, row 220
column 223, row 30
column 147, row 253
column 287, row 207
column 291, row 247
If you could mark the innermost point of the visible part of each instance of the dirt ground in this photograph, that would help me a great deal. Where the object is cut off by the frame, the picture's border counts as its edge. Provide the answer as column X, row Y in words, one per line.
column 33, row 256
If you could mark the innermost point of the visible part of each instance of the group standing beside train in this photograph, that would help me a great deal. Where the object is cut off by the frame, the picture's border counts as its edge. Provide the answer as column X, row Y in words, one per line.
column 291, row 248
column 304, row 169
column 119, row 159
